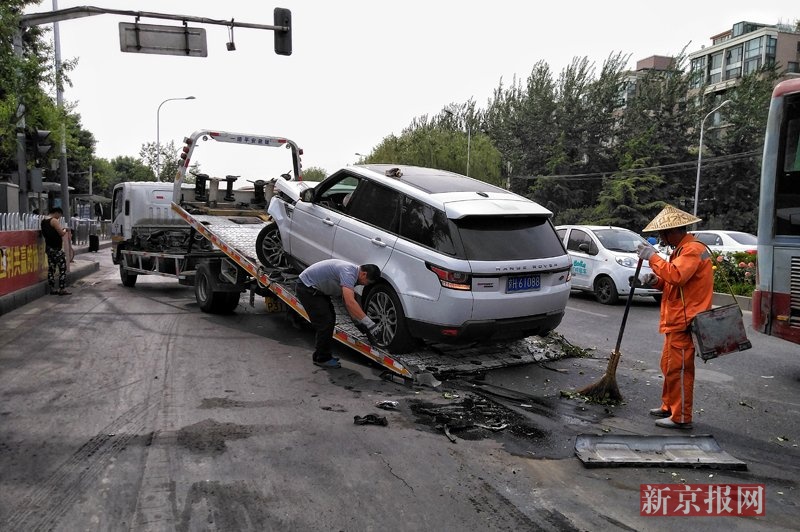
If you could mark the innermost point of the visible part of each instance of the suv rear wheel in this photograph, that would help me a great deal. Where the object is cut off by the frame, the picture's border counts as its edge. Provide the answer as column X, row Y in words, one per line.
column 383, row 306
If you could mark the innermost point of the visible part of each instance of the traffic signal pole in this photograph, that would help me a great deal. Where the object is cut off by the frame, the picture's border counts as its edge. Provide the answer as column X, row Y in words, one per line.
column 283, row 46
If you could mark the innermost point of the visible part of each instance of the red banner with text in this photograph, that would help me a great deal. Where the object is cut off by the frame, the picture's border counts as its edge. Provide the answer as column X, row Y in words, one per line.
column 22, row 260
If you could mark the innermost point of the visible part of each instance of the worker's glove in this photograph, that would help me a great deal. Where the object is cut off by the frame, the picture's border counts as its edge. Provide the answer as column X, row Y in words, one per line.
column 645, row 251
column 648, row 279
column 368, row 328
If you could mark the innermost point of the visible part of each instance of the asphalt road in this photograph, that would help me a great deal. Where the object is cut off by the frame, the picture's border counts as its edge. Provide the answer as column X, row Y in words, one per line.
column 129, row 409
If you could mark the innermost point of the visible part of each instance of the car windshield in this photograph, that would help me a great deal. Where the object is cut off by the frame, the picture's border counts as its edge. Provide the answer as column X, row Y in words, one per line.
column 620, row 240
column 744, row 238
column 508, row 238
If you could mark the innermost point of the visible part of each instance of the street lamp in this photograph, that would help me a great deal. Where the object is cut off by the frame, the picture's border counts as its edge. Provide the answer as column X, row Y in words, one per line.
column 700, row 154
column 158, row 133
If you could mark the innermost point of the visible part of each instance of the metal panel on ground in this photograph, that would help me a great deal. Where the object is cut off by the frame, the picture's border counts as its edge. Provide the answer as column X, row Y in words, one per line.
column 618, row 450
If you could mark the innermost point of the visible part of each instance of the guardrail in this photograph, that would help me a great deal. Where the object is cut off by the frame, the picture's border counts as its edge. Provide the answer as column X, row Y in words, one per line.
column 81, row 227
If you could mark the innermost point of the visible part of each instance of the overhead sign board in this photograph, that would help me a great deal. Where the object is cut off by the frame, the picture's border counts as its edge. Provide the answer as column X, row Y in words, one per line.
column 164, row 40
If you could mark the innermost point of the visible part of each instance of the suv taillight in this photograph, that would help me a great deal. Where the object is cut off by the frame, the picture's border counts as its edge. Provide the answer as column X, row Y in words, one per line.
column 451, row 279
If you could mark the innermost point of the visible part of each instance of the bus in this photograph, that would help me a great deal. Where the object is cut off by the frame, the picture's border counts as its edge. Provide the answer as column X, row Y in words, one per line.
column 776, row 299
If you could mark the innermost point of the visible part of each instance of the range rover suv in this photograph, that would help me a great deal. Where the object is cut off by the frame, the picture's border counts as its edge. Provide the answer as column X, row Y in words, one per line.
column 461, row 260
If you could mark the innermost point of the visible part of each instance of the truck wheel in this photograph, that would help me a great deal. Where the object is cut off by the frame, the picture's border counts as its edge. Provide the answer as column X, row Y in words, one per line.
column 228, row 301
column 209, row 300
column 269, row 247
column 128, row 278
column 383, row 306
column 605, row 291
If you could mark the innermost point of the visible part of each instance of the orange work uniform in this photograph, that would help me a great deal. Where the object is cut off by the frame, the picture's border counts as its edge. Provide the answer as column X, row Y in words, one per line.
column 687, row 283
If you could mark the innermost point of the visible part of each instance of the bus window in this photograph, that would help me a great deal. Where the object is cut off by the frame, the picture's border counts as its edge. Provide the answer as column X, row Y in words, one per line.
column 792, row 155
column 787, row 189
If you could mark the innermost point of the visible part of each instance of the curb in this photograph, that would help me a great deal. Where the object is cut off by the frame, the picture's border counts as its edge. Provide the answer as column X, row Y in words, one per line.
column 719, row 299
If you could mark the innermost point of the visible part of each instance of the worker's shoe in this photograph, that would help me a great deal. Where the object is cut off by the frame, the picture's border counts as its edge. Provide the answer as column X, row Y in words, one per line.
column 667, row 423
column 331, row 363
column 657, row 412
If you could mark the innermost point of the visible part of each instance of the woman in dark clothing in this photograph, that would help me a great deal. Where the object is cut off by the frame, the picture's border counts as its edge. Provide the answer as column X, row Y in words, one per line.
column 53, row 234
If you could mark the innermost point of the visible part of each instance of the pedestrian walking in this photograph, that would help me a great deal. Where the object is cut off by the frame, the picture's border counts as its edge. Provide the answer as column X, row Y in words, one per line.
column 53, row 235
column 687, row 282
column 317, row 285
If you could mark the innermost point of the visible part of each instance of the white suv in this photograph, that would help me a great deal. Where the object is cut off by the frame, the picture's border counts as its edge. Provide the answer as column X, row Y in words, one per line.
column 461, row 260
column 603, row 260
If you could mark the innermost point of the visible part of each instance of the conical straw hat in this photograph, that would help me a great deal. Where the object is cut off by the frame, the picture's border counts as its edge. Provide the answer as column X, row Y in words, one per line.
column 669, row 218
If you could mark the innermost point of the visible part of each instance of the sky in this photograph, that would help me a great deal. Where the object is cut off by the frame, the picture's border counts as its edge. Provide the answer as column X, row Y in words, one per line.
column 360, row 69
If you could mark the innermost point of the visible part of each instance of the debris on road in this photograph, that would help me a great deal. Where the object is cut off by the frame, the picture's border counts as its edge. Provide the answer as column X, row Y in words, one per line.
column 370, row 419
column 387, row 405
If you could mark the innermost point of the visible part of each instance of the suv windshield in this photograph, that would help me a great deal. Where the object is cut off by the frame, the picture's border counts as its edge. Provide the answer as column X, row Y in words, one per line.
column 620, row 240
column 508, row 238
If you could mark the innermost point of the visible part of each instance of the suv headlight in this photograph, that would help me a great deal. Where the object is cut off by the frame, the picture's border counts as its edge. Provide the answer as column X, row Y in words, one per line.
column 626, row 261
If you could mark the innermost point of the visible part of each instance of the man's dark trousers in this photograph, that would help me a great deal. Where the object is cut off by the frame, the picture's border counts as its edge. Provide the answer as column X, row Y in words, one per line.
column 323, row 318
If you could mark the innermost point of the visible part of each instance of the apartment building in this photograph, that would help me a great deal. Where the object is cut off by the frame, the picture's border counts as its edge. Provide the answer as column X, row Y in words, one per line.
column 742, row 50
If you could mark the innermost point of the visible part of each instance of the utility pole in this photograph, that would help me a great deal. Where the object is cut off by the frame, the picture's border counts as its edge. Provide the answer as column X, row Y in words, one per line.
column 62, row 162
column 22, row 159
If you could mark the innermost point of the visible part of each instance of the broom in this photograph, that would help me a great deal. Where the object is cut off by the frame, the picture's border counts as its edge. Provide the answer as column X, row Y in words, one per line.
column 606, row 389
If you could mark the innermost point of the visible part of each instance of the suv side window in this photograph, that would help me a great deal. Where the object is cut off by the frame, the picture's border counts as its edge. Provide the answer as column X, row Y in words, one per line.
column 578, row 237
column 426, row 226
column 334, row 193
column 376, row 205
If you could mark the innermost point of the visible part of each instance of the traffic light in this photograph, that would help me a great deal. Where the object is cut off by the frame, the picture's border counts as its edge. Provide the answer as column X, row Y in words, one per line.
column 283, row 39
column 39, row 145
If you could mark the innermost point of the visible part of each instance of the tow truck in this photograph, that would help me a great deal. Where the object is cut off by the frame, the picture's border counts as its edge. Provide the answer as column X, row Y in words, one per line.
column 232, row 225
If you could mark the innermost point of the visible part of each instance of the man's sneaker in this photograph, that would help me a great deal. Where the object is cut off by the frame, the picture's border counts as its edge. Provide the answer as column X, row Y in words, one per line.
column 332, row 363
column 667, row 423
column 657, row 412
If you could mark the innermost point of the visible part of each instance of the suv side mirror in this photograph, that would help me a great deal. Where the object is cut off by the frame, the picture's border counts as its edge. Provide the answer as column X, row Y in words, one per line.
column 307, row 195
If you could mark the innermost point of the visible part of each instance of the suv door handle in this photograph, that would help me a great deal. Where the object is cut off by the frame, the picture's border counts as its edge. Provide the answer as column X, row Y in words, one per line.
column 378, row 242
column 328, row 221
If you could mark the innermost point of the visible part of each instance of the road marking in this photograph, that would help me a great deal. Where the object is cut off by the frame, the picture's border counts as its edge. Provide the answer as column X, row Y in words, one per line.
column 588, row 312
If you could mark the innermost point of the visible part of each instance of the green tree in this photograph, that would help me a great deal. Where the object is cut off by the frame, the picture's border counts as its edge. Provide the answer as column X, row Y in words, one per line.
column 128, row 168
column 170, row 159
column 435, row 143
column 744, row 122
column 26, row 81
column 314, row 173
column 657, row 127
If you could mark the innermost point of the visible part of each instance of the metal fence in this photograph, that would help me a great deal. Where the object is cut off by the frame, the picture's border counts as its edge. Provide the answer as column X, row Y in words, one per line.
column 81, row 227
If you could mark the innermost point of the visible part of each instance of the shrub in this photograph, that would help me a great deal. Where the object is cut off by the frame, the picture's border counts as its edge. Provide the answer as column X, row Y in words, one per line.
column 740, row 271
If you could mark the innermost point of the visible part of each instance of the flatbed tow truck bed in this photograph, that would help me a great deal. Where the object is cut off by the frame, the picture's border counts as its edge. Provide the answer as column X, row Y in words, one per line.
column 236, row 235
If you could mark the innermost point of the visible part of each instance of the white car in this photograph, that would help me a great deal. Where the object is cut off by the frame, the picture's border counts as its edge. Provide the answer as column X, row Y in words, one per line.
column 728, row 241
column 603, row 260
column 461, row 260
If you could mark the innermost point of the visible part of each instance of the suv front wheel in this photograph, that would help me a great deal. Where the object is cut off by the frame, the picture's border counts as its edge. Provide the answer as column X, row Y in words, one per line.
column 269, row 247
column 383, row 306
